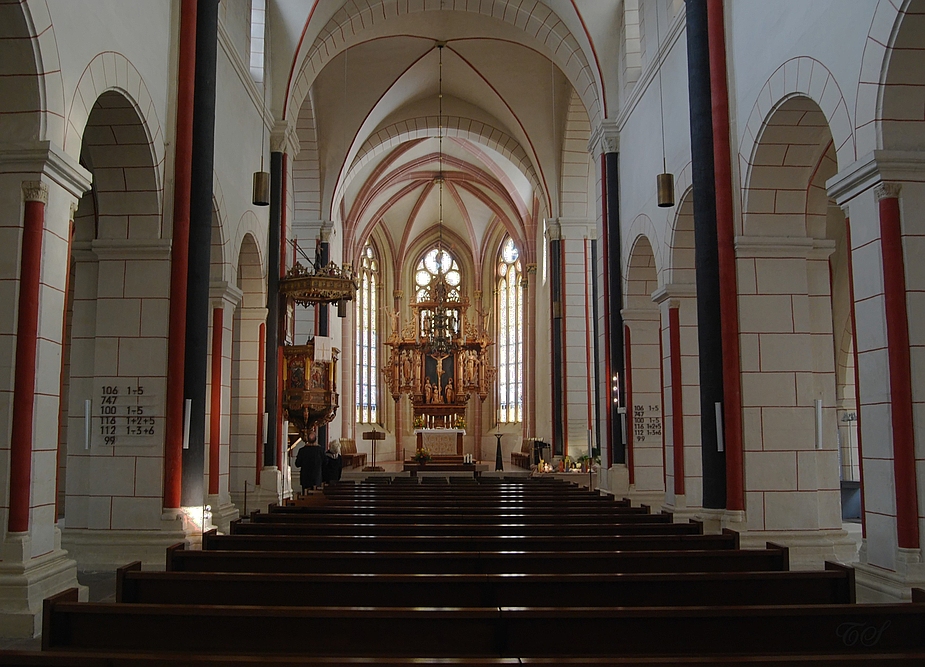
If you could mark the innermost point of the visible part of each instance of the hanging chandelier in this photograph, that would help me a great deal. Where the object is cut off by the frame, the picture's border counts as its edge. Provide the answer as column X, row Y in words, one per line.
column 440, row 324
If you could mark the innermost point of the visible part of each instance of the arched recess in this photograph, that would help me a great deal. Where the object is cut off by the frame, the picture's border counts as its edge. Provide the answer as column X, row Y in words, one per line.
column 677, row 301
column 245, row 448
column 535, row 26
column 117, row 344
column 890, row 113
column 224, row 300
column 801, row 78
column 644, row 424
column 111, row 71
column 792, row 247
column 576, row 184
column 31, row 91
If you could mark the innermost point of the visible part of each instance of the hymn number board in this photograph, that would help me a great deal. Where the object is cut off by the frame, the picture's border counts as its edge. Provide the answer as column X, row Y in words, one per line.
column 647, row 422
column 126, row 411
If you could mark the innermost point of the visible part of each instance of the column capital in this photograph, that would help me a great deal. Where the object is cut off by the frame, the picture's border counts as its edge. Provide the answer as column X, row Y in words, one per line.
column 221, row 292
column 553, row 229
column 397, row 293
column 327, row 231
column 284, row 139
column 35, row 191
column 530, row 269
column 887, row 191
column 872, row 169
column 44, row 157
column 673, row 293
column 605, row 138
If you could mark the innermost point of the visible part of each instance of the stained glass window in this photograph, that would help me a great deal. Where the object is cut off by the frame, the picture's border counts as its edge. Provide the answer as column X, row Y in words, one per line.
column 510, row 334
column 367, row 338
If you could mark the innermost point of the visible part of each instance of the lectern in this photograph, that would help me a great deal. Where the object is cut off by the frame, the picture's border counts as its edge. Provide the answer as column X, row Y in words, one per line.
column 373, row 437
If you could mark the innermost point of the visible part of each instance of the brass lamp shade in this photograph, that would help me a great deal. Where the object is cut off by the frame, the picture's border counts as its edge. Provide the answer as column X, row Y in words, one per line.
column 665, row 183
column 261, row 188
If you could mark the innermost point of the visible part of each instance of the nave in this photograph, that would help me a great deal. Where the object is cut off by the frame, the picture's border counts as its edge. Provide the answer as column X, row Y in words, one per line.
column 490, row 571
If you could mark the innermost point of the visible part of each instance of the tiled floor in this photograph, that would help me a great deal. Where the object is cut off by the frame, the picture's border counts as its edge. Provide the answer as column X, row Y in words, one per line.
column 102, row 587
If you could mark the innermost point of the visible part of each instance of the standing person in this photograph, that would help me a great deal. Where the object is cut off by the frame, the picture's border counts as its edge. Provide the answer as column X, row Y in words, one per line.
column 309, row 462
column 333, row 464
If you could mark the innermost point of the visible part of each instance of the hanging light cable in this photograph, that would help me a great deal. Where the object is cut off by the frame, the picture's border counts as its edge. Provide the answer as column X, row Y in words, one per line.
column 665, row 181
column 261, row 191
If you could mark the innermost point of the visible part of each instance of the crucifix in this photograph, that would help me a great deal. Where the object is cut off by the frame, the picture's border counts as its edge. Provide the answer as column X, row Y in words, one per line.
column 438, row 394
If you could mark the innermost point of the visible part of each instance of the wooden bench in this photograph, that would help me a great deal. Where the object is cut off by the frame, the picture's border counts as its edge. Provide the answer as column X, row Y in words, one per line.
column 833, row 586
column 76, row 658
column 468, row 543
column 774, row 558
column 547, row 632
column 348, row 451
column 342, row 527
column 523, row 458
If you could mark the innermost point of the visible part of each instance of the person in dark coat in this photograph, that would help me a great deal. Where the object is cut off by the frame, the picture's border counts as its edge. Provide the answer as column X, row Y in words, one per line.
column 333, row 464
column 309, row 461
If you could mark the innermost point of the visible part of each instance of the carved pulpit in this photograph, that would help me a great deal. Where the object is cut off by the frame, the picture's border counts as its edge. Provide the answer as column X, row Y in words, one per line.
column 309, row 387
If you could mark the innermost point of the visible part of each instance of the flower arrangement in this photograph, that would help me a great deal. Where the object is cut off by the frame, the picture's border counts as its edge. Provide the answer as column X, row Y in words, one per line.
column 461, row 422
column 422, row 455
column 419, row 421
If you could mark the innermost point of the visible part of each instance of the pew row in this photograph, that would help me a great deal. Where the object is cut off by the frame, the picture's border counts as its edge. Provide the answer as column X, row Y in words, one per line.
column 832, row 586
column 484, row 631
column 72, row 658
column 371, row 527
column 773, row 558
column 467, row 543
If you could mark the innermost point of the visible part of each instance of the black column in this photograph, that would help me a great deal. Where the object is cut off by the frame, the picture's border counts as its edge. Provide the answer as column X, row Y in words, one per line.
column 558, row 397
column 324, row 326
column 195, row 367
column 324, row 256
column 615, row 287
column 709, row 333
column 598, row 415
column 273, row 314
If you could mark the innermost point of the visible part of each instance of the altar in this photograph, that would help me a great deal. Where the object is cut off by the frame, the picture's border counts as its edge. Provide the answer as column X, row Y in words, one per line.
column 441, row 441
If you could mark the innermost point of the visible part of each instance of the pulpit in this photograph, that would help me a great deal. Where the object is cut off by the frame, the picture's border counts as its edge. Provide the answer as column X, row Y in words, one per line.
column 309, row 388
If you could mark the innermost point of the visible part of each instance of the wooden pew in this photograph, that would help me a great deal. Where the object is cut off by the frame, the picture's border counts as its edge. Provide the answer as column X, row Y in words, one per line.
column 419, row 515
column 774, row 558
column 371, row 527
column 467, row 543
column 844, row 629
column 833, row 586
column 73, row 658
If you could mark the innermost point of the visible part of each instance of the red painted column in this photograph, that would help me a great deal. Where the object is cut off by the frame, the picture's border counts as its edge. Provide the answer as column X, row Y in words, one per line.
column 661, row 393
column 725, row 237
column 857, row 372
column 261, row 398
column 897, row 335
column 179, row 254
column 36, row 196
column 628, row 403
column 677, row 409
column 215, row 402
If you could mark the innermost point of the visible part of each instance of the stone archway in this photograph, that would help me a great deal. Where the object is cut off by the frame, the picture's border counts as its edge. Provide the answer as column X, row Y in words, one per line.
column 785, row 266
column 643, row 368
column 247, row 343
column 677, row 301
column 117, row 346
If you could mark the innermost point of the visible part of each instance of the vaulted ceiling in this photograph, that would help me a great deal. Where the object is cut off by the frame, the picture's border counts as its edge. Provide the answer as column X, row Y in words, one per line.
column 363, row 87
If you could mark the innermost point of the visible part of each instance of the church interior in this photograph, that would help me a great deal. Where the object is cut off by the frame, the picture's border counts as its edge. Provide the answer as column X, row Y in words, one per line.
column 595, row 263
